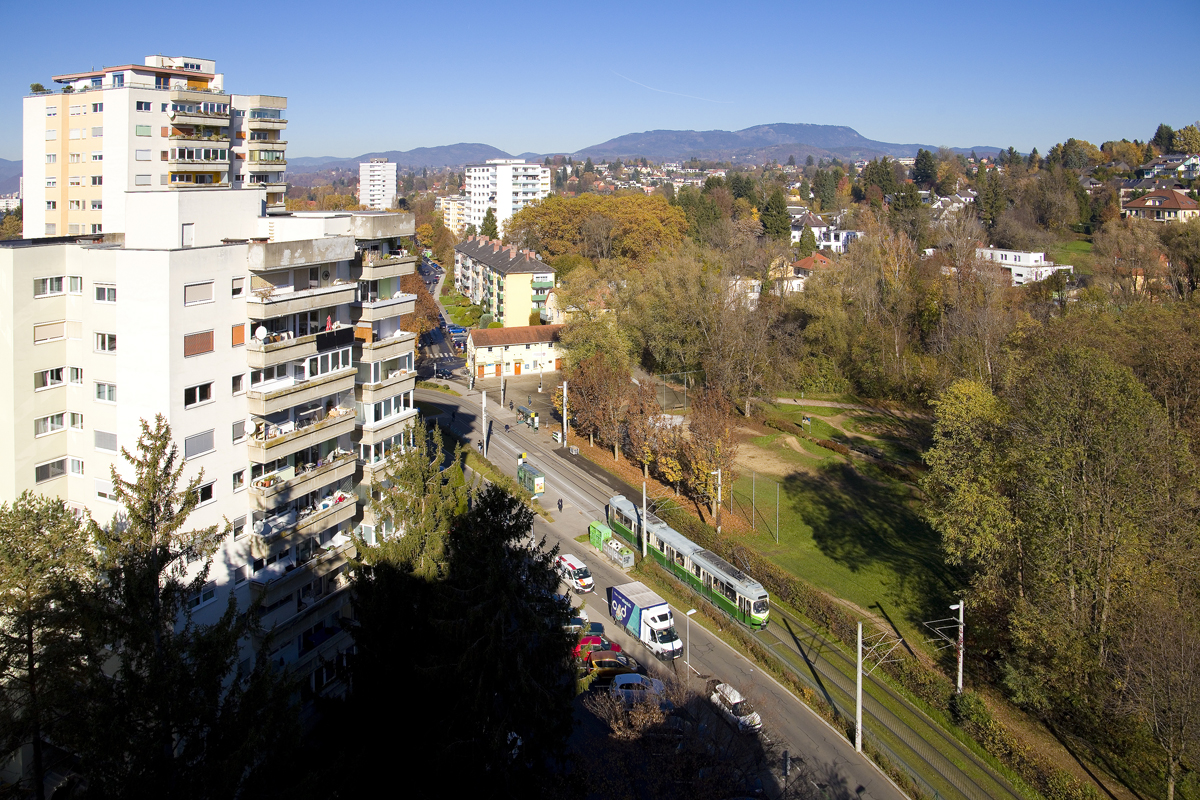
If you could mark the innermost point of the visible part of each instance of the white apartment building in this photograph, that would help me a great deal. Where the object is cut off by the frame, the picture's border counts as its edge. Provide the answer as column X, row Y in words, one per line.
column 275, row 346
column 505, row 185
column 377, row 184
column 1024, row 267
column 164, row 125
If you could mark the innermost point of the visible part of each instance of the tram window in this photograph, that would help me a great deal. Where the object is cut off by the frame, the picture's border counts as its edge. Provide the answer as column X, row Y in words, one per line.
column 696, row 570
column 678, row 558
column 730, row 592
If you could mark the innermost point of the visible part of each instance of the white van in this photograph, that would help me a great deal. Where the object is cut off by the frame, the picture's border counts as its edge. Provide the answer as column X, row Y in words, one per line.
column 575, row 573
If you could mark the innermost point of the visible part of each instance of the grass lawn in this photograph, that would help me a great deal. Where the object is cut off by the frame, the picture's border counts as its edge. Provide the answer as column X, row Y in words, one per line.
column 1076, row 252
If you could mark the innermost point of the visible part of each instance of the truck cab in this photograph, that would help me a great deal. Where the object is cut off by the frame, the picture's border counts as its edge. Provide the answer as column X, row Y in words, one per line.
column 575, row 573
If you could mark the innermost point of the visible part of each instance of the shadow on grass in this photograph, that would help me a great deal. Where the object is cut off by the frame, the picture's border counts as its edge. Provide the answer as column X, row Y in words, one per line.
column 860, row 522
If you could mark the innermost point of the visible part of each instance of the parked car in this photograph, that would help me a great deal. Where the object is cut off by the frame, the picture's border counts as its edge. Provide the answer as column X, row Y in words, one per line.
column 575, row 573
column 607, row 664
column 734, row 708
column 589, row 643
column 637, row 688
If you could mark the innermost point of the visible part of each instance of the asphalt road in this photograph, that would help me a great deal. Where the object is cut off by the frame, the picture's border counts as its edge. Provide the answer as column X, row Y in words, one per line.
column 842, row 773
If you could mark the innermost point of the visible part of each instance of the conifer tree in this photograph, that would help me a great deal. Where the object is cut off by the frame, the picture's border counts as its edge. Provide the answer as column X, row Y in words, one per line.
column 777, row 224
column 489, row 228
column 808, row 243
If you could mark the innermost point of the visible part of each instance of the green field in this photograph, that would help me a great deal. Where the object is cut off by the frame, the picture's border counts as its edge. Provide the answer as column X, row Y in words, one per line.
column 1076, row 252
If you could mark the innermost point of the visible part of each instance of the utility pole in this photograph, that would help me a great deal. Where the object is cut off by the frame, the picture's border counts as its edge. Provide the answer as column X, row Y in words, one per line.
column 879, row 647
column 564, row 441
column 858, row 695
column 960, row 606
column 718, row 501
column 776, row 512
column 753, row 485
column 483, row 447
column 644, row 536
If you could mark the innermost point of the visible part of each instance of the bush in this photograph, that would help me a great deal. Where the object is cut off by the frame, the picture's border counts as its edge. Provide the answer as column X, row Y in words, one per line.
column 495, row 324
column 485, row 320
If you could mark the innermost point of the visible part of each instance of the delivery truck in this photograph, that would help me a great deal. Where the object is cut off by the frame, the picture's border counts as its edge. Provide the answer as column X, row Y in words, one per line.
column 647, row 617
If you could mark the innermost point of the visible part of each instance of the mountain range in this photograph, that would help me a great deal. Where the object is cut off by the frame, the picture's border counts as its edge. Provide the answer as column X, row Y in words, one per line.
column 10, row 176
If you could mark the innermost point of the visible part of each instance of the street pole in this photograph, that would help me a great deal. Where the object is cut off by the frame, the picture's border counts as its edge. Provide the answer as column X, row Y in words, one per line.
column 502, row 391
column 644, row 519
column 564, row 412
column 483, row 449
column 961, row 606
column 718, row 501
column 776, row 512
column 753, row 484
column 689, row 646
column 858, row 731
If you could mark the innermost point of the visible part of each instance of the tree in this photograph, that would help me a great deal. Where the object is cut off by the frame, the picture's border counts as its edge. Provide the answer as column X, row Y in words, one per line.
column 925, row 170
column 10, row 225
column 170, row 713
column 45, row 563
column 1163, row 138
column 489, row 228
column 641, row 425
column 791, row 162
column 808, row 243
column 470, row 230
column 713, row 445
column 1186, row 140
column 776, row 223
column 36, row 88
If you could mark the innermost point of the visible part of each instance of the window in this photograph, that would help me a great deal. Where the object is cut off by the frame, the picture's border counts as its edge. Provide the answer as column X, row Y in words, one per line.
column 76, row 421
column 106, row 343
column 97, row 205
column 49, row 331
column 76, row 375
column 44, row 287
column 142, row 130
column 49, row 228
column 75, row 158
column 143, row 105
column 51, row 158
column 51, row 111
column 78, row 133
column 141, row 155
column 106, row 441
column 198, row 445
column 77, row 466
column 75, row 205
column 47, row 378
column 51, row 205
column 194, row 395
column 239, row 480
column 204, row 493
column 97, row 155
column 106, row 392
column 106, row 293
column 48, row 424
column 239, row 334
column 195, row 344
column 51, row 135
column 196, row 293
column 239, row 527
column 205, row 595
column 141, row 180
column 118, row 80
column 239, row 286
column 105, row 491
column 239, row 385
column 74, row 284
column 50, row 470
column 51, row 183
column 97, row 108
column 75, row 180
column 239, row 431
column 97, row 180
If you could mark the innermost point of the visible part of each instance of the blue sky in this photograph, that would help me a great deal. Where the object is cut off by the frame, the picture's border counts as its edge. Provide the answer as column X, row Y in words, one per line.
column 556, row 77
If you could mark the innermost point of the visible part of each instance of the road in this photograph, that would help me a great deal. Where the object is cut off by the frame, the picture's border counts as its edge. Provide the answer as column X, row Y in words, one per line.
column 844, row 773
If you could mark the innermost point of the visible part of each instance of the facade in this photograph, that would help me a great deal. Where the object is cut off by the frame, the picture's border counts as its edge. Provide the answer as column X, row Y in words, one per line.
column 811, row 221
column 1163, row 205
column 455, row 213
column 508, row 283
column 505, row 185
column 276, row 348
column 1023, row 267
column 164, row 125
column 494, row 352
column 377, row 184
column 1179, row 166
column 8, row 204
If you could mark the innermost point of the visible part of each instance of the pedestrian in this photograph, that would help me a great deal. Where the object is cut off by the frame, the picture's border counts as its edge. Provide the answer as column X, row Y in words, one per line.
column 560, row 504
column 506, row 428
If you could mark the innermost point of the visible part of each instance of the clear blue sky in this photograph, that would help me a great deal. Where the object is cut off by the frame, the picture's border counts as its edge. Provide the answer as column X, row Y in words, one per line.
column 556, row 77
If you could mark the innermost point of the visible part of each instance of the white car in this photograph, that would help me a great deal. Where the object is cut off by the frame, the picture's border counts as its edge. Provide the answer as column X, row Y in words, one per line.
column 735, row 708
column 575, row 573
column 636, row 688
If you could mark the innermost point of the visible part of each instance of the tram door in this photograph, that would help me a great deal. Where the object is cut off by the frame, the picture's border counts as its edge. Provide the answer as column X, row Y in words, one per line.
column 743, row 608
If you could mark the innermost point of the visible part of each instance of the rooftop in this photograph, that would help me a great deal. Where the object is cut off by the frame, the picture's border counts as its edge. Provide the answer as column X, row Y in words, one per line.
column 529, row 334
column 506, row 260
column 1164, row 198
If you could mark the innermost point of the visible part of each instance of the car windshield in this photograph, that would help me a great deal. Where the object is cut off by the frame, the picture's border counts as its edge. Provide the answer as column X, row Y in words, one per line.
column 742, row 708
column 667, row 636
column 760, row 606
column 582, row 573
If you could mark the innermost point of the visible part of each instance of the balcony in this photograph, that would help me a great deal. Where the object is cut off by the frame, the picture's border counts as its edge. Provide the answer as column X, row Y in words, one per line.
column 219, row 138
column 263, row 124
column 280, row 487
column 199, row 118
column 305, row 252
column 292, row 393
column 212, row 185
column 272, row 583
column 382, row 225
column 394, row 346
column 375, row 308
column 338, row 507
column 264, row 144
column 280, row 348
column 278, row 302
column 400, row 380
column 376, row 267
column 197, row 165
column 388, row 427
column 264, row 166
column 270, row 441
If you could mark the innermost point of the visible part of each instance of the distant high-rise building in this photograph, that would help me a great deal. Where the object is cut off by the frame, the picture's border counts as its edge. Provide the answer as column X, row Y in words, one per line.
column 455, row 212
column 504, row 184
column 167, row 124
column 377, row 184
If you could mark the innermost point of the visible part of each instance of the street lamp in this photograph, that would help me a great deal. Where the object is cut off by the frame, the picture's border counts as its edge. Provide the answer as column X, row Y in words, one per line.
column 689, row 646
column 718, row 474
column 959, row 606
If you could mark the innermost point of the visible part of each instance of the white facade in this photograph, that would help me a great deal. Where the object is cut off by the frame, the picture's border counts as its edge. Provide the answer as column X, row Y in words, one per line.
column 377, row 184
column 504, row 185
column 163, row 125
column 1024, row 267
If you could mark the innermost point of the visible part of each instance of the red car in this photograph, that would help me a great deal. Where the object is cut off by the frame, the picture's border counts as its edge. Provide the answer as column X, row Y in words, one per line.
column 589, row 643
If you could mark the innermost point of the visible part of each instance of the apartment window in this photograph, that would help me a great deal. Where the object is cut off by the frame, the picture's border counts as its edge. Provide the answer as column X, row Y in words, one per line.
column 75, row 180
column 51, row 158
column 51, row 183
column 144, row 105
column 75, row 158
column 47, row 379
column 239, row 334
column 77, row 466
column 51, row 205
column 52, row 423
column 97, row 155
column 49, row 228
column 195, row 344
column 239, row 286
column 49, row 331
column 195, row 395
column 141, row 155
column 239, row 431
column 76, row 375
column 78, row 133
column 106, row 441
column 196, row 293
column 239, row 527
column 75, row 284
column 75, row 205
column 141, row 180
column 106, row 392
column 209, row 593
column 50, row 470
column 239, row 385
column 142, row 130
column 76, row 421
column 105, row 491
column 204, row 494
column 162, row 154
column 239, row 480
column 51, row 135
column 106, row 293
column 106, row 343
column 97, row 180
column 97, row 205
column 97, row 108
column 97, row 132
column 51, row 111
column 198, row 444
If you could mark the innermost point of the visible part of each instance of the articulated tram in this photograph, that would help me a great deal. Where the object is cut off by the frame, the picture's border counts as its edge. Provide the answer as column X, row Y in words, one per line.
column 709, row 575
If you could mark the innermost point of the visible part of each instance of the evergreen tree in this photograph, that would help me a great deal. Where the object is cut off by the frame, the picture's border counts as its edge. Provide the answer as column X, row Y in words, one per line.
column 791, row 162
column 925, row 169
column 776, row 223
column 166, row 711
column 470, row 230
column 808, row 162
column 489, row 228
column 45, row 563
column 808, row 243
column 1163, row 138
column 589, row 166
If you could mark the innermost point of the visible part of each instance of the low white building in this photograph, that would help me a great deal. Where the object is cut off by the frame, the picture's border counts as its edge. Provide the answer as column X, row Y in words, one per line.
column 1024, row 267
column 494, row 352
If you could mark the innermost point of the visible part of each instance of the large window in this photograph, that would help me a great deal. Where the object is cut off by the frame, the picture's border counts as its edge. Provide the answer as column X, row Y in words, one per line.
column 47, row 287
column 198, row 445
column 195, row 395
column 106, row 293
column 195, row 344
column 48, row 424
column 106, row 343
column 48, row 378
column 106, row 441
column 106, row 392
column 196, row 293
column 49, row 331
column 50, row 470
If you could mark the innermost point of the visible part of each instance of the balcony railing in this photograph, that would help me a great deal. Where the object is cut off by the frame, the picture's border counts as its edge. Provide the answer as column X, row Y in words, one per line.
column 302, row 478
column 272, row 527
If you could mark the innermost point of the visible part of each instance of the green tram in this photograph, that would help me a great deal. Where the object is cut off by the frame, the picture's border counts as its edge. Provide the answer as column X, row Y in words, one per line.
column 705, row 572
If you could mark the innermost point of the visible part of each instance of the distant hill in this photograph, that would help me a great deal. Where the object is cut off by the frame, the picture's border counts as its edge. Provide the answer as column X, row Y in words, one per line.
column 448, row 155
column 10, row 176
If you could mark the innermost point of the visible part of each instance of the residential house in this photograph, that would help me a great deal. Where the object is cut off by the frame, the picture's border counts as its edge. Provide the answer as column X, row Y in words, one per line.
column 1023, row 266
column 494, row 352
column 508, row 283
column 1162, row 205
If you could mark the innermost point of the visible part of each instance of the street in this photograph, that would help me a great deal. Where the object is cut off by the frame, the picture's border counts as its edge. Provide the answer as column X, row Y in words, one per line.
column 840, row 771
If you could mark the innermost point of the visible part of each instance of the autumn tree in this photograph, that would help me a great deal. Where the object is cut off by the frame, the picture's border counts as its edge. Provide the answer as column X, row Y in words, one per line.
column 712, row 445
column 641, row 424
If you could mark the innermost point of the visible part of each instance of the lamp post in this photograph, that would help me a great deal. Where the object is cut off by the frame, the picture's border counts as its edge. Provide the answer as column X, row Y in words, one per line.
column 689, row 646
column 718, row 474
column 959, row 607
column 564, row 412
